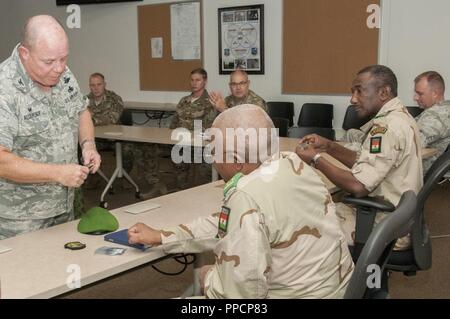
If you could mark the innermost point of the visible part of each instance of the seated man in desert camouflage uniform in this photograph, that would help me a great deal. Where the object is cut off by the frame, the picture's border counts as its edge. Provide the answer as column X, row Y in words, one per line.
column 282, row 243
column 240, row 93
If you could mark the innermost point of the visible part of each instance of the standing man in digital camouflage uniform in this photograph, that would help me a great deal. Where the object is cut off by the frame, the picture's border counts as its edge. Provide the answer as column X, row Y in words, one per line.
column 389, row 161
column 240, row 93
column 282, row 243
column 434, row 121
column 43, row 115
column 194, row 107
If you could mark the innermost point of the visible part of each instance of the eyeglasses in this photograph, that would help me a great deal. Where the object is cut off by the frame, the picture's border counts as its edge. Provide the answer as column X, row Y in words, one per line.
column 234, row 84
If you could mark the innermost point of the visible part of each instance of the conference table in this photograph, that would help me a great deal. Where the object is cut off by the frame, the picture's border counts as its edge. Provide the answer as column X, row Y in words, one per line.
column 38, row 266
column 167, row 136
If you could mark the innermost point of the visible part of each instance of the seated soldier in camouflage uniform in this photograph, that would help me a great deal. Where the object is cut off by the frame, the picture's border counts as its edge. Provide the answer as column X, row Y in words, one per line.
column 106, row 108
column 434, row 122
column 277, row 234
column 388, row 162
column 194, row 107
column 240, row 93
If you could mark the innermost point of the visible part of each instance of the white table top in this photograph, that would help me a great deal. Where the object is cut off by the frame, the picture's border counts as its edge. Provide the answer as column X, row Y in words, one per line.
column 37, row 265
column 47, row 275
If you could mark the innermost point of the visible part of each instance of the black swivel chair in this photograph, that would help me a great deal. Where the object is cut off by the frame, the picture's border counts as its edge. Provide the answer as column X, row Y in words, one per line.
column 282, row 125
column 299, row 132
column 281, row 110
column 418, row 257
column 352, row 120
column 316, row 115
column 414, row 110
column 126, row 118
column 379, row 247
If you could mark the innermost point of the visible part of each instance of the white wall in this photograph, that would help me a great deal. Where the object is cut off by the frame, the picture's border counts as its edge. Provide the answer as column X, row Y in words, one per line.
column 5, row 24
column 414, row 38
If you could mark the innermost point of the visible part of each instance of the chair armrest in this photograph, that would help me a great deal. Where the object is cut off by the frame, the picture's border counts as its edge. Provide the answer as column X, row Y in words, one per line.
column 369, row 202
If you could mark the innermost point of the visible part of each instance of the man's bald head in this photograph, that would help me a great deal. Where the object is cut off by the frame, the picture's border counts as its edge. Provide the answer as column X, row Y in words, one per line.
column 252, row 128
column 243, row 116
column 42, row 28
column 44, row 50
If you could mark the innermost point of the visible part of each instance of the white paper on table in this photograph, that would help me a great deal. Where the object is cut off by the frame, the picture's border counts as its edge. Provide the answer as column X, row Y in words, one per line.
column 141, row 208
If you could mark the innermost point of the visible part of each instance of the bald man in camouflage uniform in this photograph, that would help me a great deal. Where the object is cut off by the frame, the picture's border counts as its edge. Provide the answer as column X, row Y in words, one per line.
column 282, row 243
column 43, row 115
column 434, row 121
column 194, row 107
column 240, row 93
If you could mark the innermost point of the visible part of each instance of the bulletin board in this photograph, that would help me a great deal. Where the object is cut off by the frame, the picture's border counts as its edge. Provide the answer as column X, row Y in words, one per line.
column 325, row 43
column 164, row 73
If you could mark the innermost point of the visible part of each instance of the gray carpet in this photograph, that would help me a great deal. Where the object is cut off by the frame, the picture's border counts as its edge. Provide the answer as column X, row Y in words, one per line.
column 146, row 282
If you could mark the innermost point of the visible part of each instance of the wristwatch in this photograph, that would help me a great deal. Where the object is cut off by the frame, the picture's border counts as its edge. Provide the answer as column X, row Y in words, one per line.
column 315, row 160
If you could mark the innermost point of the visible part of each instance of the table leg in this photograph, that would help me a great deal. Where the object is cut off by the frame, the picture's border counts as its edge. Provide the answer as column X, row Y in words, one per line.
column 118, row 172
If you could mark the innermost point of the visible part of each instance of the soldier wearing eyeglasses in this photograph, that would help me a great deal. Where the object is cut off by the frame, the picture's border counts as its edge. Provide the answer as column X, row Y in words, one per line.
column 240, row 93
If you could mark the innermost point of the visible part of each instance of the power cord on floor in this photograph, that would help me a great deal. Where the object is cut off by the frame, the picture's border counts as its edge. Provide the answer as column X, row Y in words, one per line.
column 182, row 259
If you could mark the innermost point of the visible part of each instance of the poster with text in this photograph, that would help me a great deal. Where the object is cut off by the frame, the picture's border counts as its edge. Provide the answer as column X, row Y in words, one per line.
column 241, row 39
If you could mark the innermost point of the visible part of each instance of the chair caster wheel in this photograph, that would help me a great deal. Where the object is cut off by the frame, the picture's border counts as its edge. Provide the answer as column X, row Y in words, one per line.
column 138, row 195
column 104, row 204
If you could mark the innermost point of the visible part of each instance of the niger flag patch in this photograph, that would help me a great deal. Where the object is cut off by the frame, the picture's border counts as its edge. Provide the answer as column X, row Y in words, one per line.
column 375, row 145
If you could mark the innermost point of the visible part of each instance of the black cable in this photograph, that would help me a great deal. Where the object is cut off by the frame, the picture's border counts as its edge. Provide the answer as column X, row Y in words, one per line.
column 179, row 259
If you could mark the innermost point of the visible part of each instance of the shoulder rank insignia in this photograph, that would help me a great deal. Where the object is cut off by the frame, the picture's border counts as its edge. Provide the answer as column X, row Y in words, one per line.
column 375, row 145
column 377, row 129
column 223, row 221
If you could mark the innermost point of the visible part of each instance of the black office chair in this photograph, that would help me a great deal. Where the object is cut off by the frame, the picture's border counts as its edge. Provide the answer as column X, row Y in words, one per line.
column 126, row 118
column 299, row 132
column 418, row 257
column 282, row 125
column 414, row 110
column 281, row 110
column 352, row 119
column 316, row 115
column 378, row 248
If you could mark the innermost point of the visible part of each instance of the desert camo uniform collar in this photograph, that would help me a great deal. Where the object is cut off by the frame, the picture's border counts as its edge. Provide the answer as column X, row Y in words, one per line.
column 231, row 186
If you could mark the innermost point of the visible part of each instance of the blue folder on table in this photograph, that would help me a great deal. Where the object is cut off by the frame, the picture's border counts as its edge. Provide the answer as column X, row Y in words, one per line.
column 121, row 237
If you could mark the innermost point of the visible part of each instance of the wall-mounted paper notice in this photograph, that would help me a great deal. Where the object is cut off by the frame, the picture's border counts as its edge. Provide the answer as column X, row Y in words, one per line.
column 185, row 31
column 157, row 47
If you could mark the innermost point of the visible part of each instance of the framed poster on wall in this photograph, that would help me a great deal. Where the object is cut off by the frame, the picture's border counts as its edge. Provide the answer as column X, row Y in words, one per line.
column 241, row 39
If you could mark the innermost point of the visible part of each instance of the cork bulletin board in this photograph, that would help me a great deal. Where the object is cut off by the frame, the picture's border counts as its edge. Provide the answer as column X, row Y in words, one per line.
column 164, row 73
column 325, row 43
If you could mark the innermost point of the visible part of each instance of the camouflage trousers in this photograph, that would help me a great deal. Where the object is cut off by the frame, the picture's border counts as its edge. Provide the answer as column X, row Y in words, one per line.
column 78, row 203
column 146, row 158
column 13, row 227
column 127, row 152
